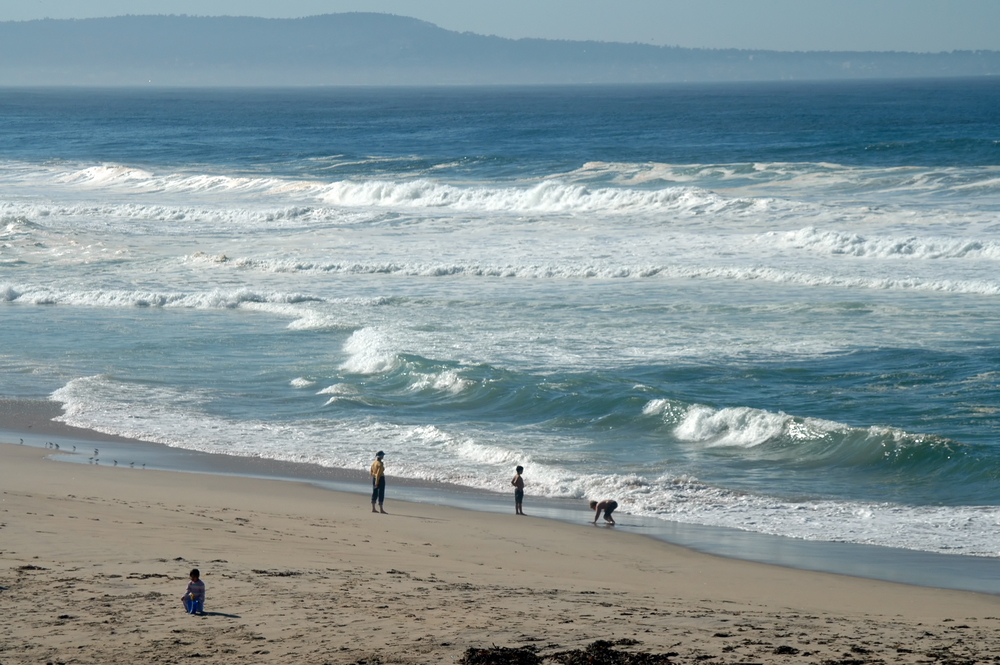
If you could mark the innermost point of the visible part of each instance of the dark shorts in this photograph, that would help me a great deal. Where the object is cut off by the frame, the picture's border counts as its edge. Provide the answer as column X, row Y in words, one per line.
column 518, row 496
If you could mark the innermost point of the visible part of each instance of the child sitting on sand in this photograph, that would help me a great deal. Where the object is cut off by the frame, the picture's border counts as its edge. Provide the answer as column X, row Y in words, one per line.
column 194, row 597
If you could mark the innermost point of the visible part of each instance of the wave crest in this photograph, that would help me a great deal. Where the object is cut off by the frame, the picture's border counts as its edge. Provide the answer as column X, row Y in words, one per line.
column 881, row 247
column 552, row 196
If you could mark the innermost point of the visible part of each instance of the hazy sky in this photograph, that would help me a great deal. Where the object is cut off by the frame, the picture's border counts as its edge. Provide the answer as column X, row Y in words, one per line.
column 787, row 25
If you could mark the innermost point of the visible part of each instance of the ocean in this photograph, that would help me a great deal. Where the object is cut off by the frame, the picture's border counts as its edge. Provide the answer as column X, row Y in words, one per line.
column 770, row 307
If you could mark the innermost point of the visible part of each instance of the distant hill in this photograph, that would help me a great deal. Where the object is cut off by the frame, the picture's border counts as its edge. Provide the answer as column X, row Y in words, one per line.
column 381, row 49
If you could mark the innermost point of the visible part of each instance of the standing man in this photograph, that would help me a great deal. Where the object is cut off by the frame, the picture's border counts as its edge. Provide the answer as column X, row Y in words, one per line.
column 378, row 482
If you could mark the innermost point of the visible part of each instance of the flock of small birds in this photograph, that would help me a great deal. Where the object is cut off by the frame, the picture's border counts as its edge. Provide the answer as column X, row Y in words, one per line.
column 91, row 460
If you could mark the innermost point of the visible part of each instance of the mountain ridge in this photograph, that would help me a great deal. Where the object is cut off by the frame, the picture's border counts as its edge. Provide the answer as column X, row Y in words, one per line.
column 362, row 48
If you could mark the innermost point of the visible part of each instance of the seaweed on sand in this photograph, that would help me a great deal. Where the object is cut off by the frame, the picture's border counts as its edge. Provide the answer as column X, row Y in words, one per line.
column 598, row 653
column 500, row 656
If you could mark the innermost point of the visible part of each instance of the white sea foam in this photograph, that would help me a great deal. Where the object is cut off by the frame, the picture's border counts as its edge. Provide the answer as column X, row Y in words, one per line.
column 447, row 381
column 804, row 178
column 339, row 389
column 370, row 352
column 475, row 452
column 214, row 299
column 166, row 219
column 14, row 226
column 546, row 195
column 315, row 321
column 966, row 530
column 740, row 426
column 106, row 174
column 684, row 189
column 664, row 408
column 138, row 180
column 853, row 244
column 850, row 280
column 746, row 427
column 549, row 196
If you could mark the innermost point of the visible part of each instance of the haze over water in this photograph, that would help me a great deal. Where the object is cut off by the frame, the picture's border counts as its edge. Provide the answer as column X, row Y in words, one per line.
column 772, row 307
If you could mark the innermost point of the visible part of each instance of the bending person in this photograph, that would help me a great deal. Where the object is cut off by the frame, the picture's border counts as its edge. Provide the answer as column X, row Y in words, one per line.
column 608, row 506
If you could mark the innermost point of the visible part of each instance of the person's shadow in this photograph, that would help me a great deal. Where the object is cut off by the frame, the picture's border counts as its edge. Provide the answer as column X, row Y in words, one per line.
column 221, row 614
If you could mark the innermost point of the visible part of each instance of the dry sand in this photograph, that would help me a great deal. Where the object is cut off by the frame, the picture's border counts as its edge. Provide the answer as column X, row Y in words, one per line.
column 93, row 561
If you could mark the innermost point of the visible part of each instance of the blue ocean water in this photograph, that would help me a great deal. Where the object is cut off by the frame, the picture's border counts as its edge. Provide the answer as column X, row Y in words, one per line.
column 772, row 307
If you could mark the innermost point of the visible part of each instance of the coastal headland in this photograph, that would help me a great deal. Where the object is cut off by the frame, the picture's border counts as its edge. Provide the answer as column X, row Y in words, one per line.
column 94, row 558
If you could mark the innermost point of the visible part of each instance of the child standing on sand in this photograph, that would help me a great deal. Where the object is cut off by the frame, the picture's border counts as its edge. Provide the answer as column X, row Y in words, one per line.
column 518, row 483
column 194, row 597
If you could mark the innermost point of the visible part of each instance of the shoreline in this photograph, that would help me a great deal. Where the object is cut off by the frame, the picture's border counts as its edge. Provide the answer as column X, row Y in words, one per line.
column 31, row 420
column 94, row 560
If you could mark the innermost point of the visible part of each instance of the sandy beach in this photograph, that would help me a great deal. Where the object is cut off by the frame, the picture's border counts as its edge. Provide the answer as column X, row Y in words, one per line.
column 94, row 559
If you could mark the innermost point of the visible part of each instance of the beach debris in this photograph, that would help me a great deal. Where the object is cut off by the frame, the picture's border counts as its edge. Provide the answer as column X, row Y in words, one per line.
column 602, row 653
column 277, row 573
column 500, row 656
column 597, row 653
